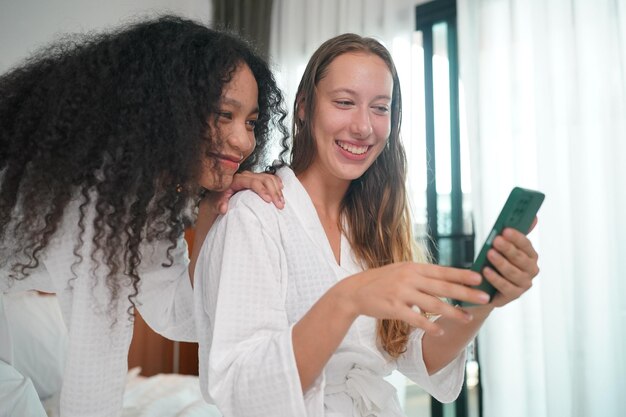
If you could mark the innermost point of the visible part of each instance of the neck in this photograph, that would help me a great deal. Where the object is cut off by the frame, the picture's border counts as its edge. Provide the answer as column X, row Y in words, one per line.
column 326, row 193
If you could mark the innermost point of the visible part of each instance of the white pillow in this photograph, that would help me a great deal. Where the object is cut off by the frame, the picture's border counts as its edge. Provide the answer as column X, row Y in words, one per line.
column 39, row 339
column 17, row 395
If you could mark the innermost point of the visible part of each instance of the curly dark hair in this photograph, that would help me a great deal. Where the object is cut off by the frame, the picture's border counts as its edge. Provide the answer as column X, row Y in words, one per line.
column 120, row 122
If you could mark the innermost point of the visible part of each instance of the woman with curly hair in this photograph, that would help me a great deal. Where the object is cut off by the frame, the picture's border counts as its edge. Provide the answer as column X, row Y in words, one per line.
column 110, row 146
column 340, row 289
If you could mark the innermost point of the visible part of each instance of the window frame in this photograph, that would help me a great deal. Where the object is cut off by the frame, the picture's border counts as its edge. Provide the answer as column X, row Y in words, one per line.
column 461, row 242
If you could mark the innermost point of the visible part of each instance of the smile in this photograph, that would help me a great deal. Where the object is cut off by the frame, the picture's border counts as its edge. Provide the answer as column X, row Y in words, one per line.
column 353, row 149
column 228, row 161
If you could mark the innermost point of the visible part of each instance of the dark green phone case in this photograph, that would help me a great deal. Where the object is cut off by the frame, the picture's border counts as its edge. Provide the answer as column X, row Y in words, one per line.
column 518, row 212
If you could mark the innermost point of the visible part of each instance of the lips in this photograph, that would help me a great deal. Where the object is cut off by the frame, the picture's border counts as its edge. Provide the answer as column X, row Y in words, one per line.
column 228, row 161
column 353, row 151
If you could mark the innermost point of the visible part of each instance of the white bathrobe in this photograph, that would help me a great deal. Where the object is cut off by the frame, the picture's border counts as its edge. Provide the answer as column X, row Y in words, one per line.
column 97, row 347
column 260, row 270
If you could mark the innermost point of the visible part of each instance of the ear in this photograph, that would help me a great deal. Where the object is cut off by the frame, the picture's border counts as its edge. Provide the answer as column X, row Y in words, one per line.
column 301, row 109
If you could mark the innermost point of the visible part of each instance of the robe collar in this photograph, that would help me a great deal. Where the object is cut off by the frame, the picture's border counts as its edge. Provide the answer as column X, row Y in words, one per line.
column 298, row 200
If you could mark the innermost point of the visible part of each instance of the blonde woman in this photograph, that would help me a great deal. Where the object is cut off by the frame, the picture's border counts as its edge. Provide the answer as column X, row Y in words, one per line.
column 311, row 307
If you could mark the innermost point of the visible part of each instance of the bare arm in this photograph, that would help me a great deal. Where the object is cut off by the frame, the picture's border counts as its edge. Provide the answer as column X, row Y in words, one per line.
column 387, row 292
column 440, row 351
column 516, row 259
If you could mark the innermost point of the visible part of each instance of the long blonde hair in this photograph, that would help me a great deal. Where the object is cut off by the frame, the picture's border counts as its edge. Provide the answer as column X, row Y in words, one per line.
column 375, row 206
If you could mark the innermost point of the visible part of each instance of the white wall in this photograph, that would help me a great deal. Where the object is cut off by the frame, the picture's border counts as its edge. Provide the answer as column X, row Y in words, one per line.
column 26, row 25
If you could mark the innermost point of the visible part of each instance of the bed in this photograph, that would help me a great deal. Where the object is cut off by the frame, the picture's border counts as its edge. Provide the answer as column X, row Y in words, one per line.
column 165, row 395
column 38, row 329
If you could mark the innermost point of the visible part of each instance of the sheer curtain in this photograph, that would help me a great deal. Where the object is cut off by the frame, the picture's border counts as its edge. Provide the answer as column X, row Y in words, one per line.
column 545, row 88
column 300, row 26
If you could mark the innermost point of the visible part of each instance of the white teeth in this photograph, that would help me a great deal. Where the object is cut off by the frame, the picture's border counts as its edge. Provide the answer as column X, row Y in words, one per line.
column 357, row 150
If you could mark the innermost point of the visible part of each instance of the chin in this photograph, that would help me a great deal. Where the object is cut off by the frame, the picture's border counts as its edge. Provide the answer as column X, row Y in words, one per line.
column 353, row 175
column 218, row 184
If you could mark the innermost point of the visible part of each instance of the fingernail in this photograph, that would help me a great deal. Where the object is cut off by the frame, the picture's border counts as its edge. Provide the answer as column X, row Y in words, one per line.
column 484, row 297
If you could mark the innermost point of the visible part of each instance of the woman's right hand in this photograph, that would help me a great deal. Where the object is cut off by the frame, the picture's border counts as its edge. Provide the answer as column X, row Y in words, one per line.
column 388, row 292
column 268, row 186
column 393, row 291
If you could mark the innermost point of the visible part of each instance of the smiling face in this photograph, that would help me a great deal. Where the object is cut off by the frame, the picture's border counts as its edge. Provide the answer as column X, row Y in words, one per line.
column 236, row 119
column 352, row 118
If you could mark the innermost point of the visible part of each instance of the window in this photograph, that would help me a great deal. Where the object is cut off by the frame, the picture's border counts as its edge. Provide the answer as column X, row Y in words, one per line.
column 439, row 180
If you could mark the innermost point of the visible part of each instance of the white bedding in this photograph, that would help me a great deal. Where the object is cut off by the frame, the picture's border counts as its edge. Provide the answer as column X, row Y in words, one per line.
column 33, row 371
column 165, row 395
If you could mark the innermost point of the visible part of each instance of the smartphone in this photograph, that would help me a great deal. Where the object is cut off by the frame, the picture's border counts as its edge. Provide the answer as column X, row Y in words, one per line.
column 518, row 212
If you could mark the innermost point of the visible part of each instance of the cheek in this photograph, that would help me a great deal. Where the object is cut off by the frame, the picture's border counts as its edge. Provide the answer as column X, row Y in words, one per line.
column 223, row 133
column 339, row 122
column 379, row 149
column 330, row 121
column 252, row 138
column 208, row 176
column 382, row 129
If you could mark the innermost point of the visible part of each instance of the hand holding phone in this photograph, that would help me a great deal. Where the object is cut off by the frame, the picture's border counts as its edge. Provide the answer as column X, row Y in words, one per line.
column 518, row 212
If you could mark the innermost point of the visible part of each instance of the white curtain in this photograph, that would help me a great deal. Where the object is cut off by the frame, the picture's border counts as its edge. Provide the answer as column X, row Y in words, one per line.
column 300, row 26
column 545, row 89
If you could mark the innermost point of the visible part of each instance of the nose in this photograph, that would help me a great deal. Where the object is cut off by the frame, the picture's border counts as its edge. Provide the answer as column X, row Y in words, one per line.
column 361, row 126
column 241, row 139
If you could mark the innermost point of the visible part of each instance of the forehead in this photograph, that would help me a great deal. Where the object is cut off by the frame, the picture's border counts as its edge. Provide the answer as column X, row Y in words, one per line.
column 358, row 71
column 242, row 87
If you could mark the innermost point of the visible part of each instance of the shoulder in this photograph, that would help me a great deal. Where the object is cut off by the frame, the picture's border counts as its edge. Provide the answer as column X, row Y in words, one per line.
column 248, row 213
column 248, row 200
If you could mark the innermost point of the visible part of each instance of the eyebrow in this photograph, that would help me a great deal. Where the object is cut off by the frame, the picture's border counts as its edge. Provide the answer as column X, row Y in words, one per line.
column 237, row 104
column 354, row 93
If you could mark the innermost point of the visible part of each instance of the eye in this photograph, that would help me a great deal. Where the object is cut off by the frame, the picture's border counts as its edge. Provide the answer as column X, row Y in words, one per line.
column 344, row 103
column 251, row 124
column 381, row 109
column 225, row 115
